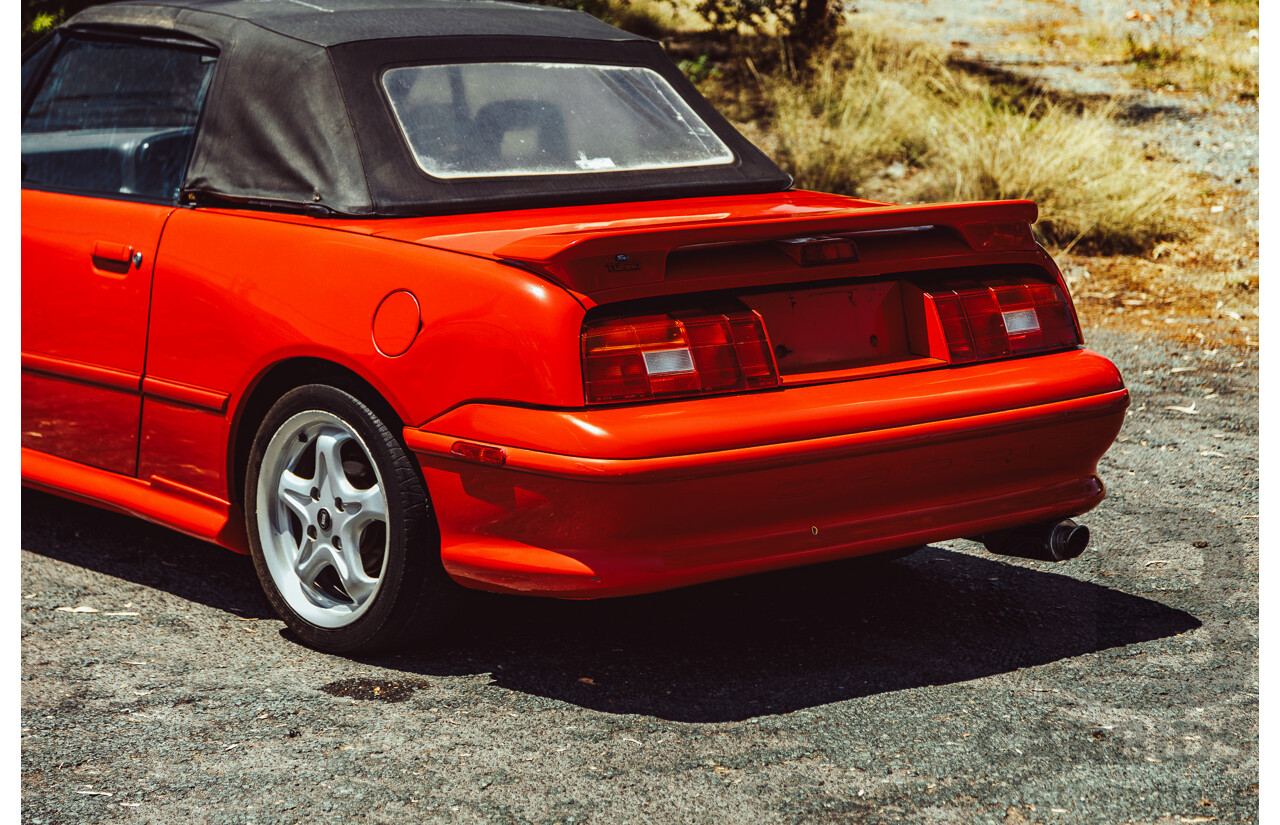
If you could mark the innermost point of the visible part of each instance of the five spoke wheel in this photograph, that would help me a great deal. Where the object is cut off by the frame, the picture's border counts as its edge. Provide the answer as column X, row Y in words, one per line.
column 340, row 526
column 322, row 513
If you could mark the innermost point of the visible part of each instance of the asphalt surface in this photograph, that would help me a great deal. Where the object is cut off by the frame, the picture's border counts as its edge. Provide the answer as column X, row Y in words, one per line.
column 949, row 687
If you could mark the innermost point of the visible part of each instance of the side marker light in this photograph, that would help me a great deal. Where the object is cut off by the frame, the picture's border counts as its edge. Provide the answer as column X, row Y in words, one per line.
column 479, row 453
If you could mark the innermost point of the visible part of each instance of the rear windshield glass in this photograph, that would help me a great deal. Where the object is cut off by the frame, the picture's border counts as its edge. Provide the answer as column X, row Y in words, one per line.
column 490, row 119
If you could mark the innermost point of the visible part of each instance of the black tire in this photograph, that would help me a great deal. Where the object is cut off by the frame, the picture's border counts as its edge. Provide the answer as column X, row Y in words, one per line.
column 410, row 593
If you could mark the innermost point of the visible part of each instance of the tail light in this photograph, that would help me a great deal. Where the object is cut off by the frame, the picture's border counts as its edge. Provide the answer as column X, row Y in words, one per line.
column 997, row 318
column 676, row 354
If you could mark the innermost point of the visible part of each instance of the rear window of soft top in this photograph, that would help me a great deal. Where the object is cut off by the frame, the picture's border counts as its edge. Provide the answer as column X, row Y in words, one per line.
column 513, row 119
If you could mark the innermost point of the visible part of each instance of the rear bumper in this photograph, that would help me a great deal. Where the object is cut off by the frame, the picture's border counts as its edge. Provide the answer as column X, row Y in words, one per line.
column 619, row 502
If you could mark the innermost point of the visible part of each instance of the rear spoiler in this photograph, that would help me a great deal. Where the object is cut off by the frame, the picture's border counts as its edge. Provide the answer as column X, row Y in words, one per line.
column 590, row 259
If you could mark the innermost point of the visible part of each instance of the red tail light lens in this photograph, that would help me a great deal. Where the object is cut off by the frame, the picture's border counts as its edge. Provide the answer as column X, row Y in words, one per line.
column 997, row 318
column 659, row 356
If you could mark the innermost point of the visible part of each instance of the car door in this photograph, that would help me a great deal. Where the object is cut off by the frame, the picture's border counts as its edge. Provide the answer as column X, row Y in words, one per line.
column 107, row 127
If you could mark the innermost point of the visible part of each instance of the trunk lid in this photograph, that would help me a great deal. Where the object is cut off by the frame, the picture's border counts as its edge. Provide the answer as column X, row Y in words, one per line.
column 843, row 287
column 666, row 247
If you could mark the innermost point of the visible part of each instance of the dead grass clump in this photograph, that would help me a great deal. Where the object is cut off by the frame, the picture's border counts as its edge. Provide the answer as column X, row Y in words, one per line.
column 874, row 103
column 1094, row 190
column 866, row 104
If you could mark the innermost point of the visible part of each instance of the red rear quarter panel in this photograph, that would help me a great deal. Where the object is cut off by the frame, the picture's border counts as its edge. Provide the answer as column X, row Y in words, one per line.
column 236, row 293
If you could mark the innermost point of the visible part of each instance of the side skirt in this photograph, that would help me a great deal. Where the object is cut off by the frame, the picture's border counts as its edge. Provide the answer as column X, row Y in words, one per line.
column 158, row 500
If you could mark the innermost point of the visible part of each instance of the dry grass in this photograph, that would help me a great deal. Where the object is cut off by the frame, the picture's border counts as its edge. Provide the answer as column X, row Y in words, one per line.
column 1203, row 66
column 1209, row 46
column 1091, row 187
column 868, row 103
column 1206, row 46
column 1164, row 296
column 1202, row 289
column 886, row 119
column 649, row 18
column 882, row 117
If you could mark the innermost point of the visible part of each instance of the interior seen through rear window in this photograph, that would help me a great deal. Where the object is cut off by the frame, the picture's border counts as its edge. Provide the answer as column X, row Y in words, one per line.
column 495, row 119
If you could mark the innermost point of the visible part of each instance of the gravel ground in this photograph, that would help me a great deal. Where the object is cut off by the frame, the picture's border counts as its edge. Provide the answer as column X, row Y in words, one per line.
column 1217, row 140
column 950, row 687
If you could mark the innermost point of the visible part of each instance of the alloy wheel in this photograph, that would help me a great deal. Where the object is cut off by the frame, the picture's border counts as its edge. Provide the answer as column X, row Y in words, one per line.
column 322, row 519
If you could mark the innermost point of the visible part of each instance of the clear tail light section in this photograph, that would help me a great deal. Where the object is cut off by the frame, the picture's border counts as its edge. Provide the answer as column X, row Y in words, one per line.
column 983, row 320
column 676, row 354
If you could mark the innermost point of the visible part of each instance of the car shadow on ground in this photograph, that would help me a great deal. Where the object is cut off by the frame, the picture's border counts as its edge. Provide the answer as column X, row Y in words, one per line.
column 761, row 645
column 784, row 641
column 144, row 553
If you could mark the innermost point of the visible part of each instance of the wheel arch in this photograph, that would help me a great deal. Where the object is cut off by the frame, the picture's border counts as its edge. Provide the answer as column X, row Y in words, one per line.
column 274, row 382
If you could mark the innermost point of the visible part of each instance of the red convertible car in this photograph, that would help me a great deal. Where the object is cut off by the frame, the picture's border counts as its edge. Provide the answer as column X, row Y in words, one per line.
column 402, row 295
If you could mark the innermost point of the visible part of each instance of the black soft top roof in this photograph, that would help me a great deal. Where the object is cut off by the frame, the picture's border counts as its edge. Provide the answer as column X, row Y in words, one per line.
column 333, row 22
column 296, row 116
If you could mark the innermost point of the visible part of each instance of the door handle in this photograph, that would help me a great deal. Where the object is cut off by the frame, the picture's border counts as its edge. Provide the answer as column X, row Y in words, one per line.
column 115, row 257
